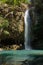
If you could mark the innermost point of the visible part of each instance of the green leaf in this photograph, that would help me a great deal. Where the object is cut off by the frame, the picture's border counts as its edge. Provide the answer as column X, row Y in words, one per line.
column 6, row 32
column 0, row 25
column 5, row 24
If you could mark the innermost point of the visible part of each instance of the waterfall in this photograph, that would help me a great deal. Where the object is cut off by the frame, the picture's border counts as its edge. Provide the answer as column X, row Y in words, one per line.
column 27, row 33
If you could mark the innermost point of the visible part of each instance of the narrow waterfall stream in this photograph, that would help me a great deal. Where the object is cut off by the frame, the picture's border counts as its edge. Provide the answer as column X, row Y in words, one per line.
column 27, row 36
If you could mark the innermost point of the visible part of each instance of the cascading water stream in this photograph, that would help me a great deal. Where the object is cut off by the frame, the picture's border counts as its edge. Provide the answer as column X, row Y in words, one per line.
column 27, row 21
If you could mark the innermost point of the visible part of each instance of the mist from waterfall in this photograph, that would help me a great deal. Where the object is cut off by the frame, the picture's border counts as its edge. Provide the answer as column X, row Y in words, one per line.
column 27, row 21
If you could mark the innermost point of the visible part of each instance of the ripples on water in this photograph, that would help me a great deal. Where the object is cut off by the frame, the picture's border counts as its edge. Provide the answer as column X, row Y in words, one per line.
column 20, row 60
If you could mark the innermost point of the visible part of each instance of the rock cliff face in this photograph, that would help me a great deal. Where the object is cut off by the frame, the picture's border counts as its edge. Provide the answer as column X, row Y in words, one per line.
column 13, row 30
column 38, row 28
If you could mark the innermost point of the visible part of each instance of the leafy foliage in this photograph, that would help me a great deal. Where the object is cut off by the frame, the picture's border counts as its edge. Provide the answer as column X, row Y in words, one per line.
column 6, row 32
column 4, row 23
column 14, row 2
column 3, row 26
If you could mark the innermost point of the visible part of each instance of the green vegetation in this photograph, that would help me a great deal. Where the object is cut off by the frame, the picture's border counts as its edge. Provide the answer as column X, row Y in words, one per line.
column 14, row 2
column 4, row 25
column 6, row 32
column 3, row 22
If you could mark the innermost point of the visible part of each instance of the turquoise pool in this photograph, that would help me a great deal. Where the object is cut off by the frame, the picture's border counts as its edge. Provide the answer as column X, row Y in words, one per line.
column 18, row 57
